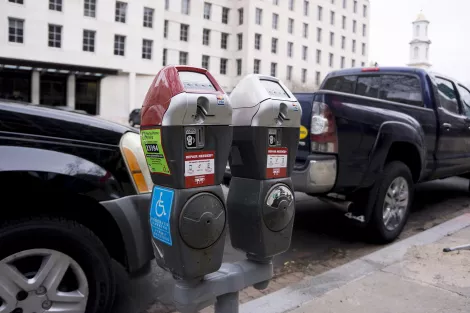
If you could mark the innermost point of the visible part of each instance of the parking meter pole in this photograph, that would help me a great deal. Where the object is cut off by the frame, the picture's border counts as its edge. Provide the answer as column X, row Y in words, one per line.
column 222, row 287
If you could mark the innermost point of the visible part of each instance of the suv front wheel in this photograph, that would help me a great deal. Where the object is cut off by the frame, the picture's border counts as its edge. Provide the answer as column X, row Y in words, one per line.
column 56, row 265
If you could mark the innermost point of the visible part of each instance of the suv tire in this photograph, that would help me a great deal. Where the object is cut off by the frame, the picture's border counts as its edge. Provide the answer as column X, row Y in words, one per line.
column 393, row 202
column 30, row 245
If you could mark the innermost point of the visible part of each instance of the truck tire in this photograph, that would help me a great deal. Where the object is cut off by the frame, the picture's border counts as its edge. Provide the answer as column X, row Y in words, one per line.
column 392, row 204
column 46, row 262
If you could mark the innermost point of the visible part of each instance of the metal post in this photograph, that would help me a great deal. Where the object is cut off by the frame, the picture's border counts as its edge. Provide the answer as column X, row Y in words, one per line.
column 227, row 303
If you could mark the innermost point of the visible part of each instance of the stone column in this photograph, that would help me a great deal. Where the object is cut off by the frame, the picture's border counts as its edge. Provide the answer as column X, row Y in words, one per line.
column 71, row 91
column 35, row 87
column 131, row 92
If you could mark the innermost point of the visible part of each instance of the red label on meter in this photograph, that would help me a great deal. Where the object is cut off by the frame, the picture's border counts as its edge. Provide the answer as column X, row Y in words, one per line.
column 199, row 169
column 276, row 166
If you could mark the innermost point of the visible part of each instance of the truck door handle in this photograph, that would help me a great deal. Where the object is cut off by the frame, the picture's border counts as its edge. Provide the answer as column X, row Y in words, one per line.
column 447, row 126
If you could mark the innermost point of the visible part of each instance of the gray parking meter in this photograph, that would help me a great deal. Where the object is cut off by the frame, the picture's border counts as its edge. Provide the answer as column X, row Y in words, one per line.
column 260, row 203
column 186, row 137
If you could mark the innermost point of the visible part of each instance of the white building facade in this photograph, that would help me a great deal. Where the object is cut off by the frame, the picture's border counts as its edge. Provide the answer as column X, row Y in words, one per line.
column 420, row 44
column 101, row 55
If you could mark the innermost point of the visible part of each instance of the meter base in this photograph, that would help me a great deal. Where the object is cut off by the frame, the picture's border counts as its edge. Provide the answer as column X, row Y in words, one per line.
column 221, row 288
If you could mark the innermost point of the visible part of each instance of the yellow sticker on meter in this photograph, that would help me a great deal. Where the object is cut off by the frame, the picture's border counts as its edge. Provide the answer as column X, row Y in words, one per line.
column 153, row 149
column 303, row 132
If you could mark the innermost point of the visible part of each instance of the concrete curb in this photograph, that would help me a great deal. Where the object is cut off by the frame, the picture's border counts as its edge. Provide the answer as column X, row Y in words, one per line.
column 294, row 296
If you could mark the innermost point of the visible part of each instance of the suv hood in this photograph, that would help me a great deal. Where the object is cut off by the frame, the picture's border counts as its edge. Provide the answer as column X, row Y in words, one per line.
column 51, row 122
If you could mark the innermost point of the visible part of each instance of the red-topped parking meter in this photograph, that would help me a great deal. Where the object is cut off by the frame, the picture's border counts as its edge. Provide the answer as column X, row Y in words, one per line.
column 186, row 136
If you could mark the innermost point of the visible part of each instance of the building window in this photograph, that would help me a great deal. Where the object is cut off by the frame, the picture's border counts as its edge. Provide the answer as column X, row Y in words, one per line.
column 240, row 16
column 275, row 20
column 354, row 26
column 185, row 5
column 183, row 58
column 317, row 78
column 343, row 61
column 332, row 39
column 15, row 30
column 206, row 34
column 121, row 10
column 55, row 36
column 364, row 10
column 290, row 26
column 332, row 18
column 274, row 45
column 240, row 41
column 344, row 4
column 258, row 16
column 276, row 2
column 89, row 40
column 363, row 64
column 273, row 69
column 258, row 41
column 165, row 29
column 343, row 42
column 89, row 8
column 291, row 5
column 290, row 49
column 55, row 5
column 343, row 23
column 147, row 49
column 223, row 66
column 164, row 57
column 304, row 75
column 416, row 52
column 305, row 30
column 167, row 7
column 289, row 72
column 306, row 7
column 330, row 59
column 318, row 34
column 119, row 45
column 320, row 13
column 225, row 12
column 354, row 45
column 239, row 67
column 256, row 66
column 224, row 41
column 363, row 49
column 318, row 57
column 184, row 30
column 353, row 63
column 207, row 10
column 355, row 7
column 16, row 1
column 417, row 31
column 205, row 62
column 304, row 53
column 148, row 17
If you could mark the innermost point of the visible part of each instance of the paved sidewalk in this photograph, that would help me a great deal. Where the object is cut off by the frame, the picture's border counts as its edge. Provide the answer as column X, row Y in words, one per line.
column 412, row 275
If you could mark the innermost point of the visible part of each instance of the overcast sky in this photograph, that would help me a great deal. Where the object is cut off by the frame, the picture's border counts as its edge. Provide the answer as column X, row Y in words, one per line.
column 449, row 31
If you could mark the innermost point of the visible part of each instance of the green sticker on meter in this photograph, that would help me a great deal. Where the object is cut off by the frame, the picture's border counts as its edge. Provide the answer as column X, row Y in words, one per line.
column 152, row 144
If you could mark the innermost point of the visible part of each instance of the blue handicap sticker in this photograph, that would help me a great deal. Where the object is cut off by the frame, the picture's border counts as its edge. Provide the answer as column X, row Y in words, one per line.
column 160, row 212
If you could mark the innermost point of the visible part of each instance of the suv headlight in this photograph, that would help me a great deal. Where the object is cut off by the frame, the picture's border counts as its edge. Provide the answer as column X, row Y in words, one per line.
column 133, row 154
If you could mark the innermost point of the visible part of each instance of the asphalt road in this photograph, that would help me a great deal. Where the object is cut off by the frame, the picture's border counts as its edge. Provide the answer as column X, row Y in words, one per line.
column 322, row 240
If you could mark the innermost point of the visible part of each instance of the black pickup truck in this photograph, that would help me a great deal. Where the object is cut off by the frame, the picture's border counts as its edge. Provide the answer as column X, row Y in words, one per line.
column 75, row 194
column 369, row 135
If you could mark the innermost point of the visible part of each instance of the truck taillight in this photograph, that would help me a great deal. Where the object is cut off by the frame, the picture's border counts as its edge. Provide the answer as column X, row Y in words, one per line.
column 323, row 129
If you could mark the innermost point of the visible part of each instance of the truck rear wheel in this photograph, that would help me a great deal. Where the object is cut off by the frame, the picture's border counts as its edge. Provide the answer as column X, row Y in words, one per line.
column 392, row 205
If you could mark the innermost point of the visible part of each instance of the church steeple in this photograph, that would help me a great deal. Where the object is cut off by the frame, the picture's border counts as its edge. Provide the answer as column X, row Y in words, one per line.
column 419, row 46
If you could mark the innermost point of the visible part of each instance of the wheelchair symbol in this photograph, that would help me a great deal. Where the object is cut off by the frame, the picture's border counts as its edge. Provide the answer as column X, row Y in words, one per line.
column 160, row 205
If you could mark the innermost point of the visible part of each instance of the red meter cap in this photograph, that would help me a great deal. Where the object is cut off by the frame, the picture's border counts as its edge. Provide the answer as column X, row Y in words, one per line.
column 171, row 81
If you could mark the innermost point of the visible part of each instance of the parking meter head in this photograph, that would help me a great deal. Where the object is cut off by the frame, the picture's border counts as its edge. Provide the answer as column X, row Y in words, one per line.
column 260, row 202
column 266, row 120
column 186, row 120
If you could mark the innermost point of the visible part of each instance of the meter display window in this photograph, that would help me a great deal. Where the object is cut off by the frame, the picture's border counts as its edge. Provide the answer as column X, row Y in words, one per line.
column 196, row 81
column 274, row 89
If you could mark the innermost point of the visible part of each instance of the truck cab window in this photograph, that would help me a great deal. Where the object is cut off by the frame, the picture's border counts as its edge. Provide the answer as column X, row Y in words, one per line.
column 465, row 98
column 345, row 84
column 401, row 88
column 447, row 95
column 368, row 86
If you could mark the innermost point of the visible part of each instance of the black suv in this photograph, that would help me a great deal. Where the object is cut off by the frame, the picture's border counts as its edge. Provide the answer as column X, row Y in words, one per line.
column 75, row 193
